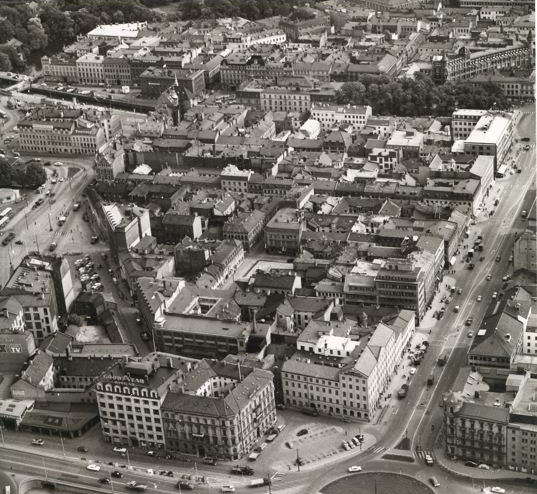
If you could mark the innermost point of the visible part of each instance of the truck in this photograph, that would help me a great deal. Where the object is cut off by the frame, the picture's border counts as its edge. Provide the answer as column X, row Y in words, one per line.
column 402, row 393
column 259, row 482
column 430, row 379
column 135, row 486
column 442, row 360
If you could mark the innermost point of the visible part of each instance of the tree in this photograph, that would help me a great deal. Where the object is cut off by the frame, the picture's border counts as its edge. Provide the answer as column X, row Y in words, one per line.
column 5, row 63
column 7, row 30
column 34, row 176
column 37, row 38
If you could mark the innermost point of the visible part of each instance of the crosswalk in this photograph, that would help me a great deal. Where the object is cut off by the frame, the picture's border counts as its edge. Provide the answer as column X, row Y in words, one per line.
column 422, row 453
column 277, row 476
column 375, row 450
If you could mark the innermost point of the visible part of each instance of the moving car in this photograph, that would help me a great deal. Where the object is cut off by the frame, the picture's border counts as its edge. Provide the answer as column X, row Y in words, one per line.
column 489, row 277
column 434, row 482
column 93, row 467
column 104, row 480
column 479, row 298
column 497, row 490
column 470, row 334
column 354, row 468
column 469, row 321
column 495, row 295
column 134, row 486
column 429, row 460
column 119, row 450
column 82, row 449
column 483, row 466
column 38, row 442
column 116, row 474
column 185, row 485
column 227, row 488
column 471, row 464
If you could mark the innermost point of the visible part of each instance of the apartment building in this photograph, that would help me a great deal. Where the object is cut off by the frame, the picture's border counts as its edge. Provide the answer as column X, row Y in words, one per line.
column 463, row 121
column 500, row 431
column 339, row 374
column 62, row 69
column 117, row 71
column 234, row 180
column 221, row 410
column 276, row 99
column 247, row 227
column 130, row 397
column 284, row 231
column 68, row 136
column 333, row 115
column 475, row 431
column 90, row 68
column 34, row 289
column 452, row 193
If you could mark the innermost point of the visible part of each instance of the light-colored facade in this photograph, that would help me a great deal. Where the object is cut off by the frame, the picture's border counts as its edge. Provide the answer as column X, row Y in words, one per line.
column 59, row 69
column 341, row 376
column 525, row 252
column 289, row 100
column 221, row 410
column 90, row 68
column 130, row 396
column 334, row 115
column 284, row 231
column 60, row 137
column 492, row 136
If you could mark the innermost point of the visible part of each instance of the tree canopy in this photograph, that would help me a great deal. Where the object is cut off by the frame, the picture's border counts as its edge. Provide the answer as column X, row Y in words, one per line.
column 420, row 96
column 30, row 176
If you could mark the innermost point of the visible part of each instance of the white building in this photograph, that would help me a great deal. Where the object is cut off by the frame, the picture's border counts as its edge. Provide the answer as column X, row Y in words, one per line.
column 130, row 396
column 492, row 136
column 90, row 69
column 334, row 115
column 340, row 374
column 113, row 32
column 234, row 180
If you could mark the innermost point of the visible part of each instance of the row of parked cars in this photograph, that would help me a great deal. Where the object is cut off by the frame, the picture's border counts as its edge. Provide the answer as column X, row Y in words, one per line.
column 353, row 442
column 88, row 276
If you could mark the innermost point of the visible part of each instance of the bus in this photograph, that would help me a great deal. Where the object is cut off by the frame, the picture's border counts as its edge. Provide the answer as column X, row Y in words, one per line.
column 4, row 221
column 5, row 212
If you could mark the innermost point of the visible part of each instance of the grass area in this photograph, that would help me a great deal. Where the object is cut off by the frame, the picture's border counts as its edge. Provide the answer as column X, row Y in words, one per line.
column 404, row 444
column 72, row 171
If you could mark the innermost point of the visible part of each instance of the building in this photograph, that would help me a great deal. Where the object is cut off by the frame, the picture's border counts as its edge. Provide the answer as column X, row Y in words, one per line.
column 401, row 283
column 130, row 397
column 464, row 121
column 33, row 286
column 126, row 225
column 333, row 115
column 60, row 136
column 221, row 410
column 467, row 64
column 90, row 69
column 517, row 87
column 154, row 81
column 246, row 227
column 522, row 428
column 234, row 180
column 452, row 193
column 110, row 161
column 499, row 340
column 127, row 32
column 475, row 432
column 283, row 99
column 62, row 69
column 176, row 226
column 200, row 337
column 410, row 142
column 525, row 252
column 283, row 232
column 492, row 136
column 339, row 374
column 117, row 71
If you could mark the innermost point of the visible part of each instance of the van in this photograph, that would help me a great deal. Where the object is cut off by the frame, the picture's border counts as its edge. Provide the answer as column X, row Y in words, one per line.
column 434, row 482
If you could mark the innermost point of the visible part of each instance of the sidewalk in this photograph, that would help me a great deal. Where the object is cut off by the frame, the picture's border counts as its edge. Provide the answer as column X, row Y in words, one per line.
column 458, row 468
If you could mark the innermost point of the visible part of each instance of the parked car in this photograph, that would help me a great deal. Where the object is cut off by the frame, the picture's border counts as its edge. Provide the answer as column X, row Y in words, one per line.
column 354, row 468
column 185, row 485
column 38, row 442
column 117, row 474
column 471, row 464
column 469, row 321
column 483, row 466
column 434, row 482
column 429, row 460
column 497, row 490
column 82, row 449
column 93, row 467
column 119, row 450
column 479, row 298
column 104, row 480
column 227, row 488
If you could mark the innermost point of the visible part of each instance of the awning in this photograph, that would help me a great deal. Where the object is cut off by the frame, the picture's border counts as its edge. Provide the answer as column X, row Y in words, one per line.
column 453, row 260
